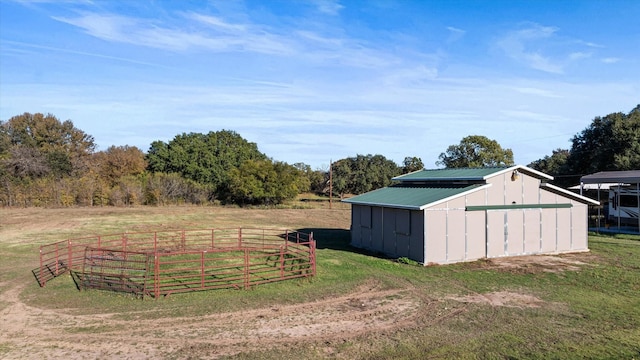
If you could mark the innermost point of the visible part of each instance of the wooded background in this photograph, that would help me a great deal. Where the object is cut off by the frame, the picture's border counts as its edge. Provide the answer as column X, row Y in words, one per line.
column 48, row 162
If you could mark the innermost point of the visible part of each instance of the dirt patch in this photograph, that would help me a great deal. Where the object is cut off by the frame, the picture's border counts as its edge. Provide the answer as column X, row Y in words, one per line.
column 536, row 263
column 502, row 298
column 34, row 333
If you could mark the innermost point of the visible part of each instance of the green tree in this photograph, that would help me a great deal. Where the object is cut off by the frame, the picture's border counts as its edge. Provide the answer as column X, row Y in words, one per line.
column 263, row 182
column 609, row 143
column 476, row 151
column 357, row 175
column 411, row 164
column 203, row 158
column 555, row 164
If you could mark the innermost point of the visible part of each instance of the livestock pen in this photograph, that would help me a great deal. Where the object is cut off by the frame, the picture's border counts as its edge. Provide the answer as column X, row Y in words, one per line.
column 166, row 262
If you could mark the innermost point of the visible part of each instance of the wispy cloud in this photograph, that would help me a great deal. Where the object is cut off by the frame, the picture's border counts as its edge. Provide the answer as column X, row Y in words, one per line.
column 536, row 91
column 18, row 46
column 218, row 23
column 329, row 7
column 610, row 60
column 515, row 45
column 455, row 34
column 543, row 48
column 579, row 55
column 218, row 36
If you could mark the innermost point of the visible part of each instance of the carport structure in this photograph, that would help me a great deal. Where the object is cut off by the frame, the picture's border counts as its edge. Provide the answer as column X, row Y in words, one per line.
column 629, row 178
column 450, row 215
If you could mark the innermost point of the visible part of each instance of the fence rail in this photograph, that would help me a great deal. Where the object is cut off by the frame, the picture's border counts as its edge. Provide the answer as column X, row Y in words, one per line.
column 162, row 263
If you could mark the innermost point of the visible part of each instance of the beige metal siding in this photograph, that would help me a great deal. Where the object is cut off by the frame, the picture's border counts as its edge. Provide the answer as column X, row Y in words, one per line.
column 456, row 242
column 436, row 237
column 512, row 189
column 514, row 232
column 475, row 227
column 476, row 235
column 580, row 225
column 563, row 229
column 530, row 189
column 495, row 233
column 532, row 227
column 549, row 232
column 549, row 223
column 495, row 193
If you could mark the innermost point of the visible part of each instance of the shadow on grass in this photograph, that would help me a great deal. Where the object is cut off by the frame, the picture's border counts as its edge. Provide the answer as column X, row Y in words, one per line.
column 338, row 239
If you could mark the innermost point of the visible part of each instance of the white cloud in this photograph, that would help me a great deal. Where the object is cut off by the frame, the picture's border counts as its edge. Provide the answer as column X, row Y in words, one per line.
column 536, row 91
column 455, row 34
column 515, row 45
column 610, row 60
column 329, row 7
column 579, row 55
column 411, row 76
column 218, row 36
column 218, row 23
column 543, row 48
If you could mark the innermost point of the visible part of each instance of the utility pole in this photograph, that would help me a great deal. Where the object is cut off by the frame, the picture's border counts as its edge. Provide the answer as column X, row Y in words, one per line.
column 330, row 183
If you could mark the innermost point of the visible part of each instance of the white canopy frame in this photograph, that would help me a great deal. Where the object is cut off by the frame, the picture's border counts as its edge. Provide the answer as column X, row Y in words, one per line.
column 631, row 178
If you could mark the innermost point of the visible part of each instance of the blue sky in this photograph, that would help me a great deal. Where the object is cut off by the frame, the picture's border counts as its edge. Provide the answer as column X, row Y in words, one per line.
column 319, row 80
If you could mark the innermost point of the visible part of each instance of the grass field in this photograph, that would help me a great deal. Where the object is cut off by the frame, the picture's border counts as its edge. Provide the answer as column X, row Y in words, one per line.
column 359, row 306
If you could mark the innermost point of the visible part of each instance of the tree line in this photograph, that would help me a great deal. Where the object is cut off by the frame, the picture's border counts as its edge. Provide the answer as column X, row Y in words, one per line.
column 609, row 143
column 48, row 162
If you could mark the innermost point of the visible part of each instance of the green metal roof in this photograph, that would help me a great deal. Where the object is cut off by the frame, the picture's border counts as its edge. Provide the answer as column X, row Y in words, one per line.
column 451, row 174
column 415, row 198
column 467, row 174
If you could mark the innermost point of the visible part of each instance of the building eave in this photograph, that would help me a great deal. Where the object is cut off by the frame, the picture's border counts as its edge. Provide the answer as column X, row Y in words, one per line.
column 568, row 194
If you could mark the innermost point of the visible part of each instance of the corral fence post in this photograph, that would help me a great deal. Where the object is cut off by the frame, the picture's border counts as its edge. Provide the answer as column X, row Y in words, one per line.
column 69, row 254
column 281, row 262
column 246, row 269
column 87, row 257
column 41, row 280
column 202, row 269
column 156, row 275
column 239, row 237
column 312, row 254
